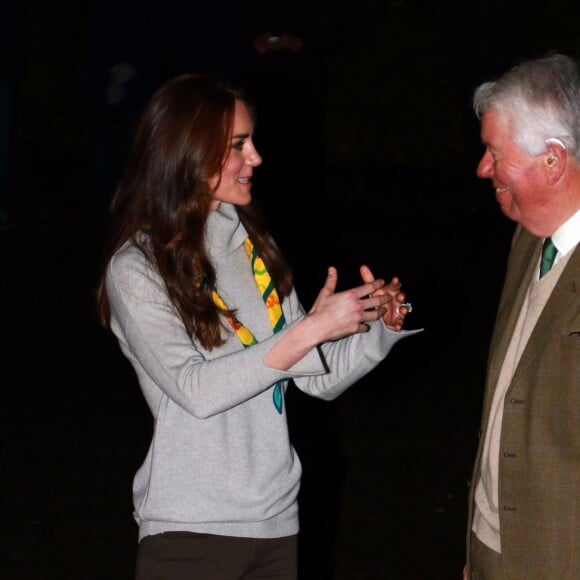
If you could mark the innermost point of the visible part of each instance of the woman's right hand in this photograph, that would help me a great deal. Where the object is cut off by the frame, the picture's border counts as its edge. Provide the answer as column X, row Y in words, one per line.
column 335, row 315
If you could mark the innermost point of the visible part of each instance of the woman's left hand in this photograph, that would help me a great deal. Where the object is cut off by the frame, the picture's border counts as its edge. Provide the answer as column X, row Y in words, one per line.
column 396, row 308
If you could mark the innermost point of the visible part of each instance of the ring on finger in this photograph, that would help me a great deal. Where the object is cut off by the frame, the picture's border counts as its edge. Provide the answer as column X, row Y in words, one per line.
column 407, row 305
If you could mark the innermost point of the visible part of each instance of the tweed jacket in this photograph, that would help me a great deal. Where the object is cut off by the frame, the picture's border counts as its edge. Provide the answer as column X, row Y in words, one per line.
column 539, row 470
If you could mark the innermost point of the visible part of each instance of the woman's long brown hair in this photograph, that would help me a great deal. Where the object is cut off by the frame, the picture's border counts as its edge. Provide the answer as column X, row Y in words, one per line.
column 180, row 142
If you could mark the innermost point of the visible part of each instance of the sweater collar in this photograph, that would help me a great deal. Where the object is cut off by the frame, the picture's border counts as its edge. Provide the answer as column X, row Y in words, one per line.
column 224, row 231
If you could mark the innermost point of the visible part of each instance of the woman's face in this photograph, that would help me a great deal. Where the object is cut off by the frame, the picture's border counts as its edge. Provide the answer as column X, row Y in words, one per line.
column 235, row 182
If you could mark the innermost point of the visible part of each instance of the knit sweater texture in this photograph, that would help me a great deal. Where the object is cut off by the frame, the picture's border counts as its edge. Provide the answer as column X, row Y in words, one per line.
column 220, row 460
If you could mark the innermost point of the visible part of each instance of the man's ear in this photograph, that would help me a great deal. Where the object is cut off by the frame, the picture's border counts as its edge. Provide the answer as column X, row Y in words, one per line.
column 555, row 159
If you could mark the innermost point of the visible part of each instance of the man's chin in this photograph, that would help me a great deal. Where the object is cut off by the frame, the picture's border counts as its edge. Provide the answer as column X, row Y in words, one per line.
column 507, row 211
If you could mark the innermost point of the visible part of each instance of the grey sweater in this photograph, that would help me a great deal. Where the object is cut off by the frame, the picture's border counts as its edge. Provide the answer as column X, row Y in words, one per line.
column 220, row 460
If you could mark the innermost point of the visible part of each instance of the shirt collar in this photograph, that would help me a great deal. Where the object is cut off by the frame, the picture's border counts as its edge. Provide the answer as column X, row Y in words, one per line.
column 567, row 235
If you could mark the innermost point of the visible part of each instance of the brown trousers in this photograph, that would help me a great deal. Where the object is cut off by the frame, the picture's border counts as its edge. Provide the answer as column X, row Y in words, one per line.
column 189, row 556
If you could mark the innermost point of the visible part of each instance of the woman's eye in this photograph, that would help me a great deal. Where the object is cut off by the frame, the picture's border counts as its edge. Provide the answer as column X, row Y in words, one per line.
column 238, row 145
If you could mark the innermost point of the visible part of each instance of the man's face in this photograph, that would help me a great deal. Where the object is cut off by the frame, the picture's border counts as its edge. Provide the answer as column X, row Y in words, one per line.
column 518, row 178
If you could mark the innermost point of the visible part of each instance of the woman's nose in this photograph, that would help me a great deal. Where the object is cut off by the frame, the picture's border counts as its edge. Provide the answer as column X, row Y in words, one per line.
column 254, row 158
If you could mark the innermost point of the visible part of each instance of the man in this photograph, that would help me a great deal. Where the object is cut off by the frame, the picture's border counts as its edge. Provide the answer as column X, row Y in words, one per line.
column 524, row 504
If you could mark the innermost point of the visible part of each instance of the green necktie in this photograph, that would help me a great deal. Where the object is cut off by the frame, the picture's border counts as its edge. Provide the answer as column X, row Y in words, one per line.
column 549, row 252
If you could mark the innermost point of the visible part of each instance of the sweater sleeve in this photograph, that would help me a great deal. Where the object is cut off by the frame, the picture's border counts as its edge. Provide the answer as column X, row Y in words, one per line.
column 346, row 360
column 351, row 358
column 165, row 358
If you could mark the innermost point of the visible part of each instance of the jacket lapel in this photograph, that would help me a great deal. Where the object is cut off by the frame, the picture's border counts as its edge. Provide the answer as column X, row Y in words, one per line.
column 562, row 304
column 522, row 266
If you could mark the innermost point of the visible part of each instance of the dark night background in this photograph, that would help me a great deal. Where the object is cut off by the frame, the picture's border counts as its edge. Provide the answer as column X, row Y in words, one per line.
column 370, row 149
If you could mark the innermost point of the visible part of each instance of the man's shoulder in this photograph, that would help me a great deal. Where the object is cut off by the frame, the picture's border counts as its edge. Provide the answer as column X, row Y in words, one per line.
column 523, row 237
column 525, row 246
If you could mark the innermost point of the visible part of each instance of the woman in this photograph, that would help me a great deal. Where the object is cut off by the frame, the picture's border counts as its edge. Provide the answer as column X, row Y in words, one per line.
column 203, row 306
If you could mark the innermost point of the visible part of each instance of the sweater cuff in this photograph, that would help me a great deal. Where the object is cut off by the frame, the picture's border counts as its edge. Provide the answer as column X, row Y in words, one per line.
column 380, row 339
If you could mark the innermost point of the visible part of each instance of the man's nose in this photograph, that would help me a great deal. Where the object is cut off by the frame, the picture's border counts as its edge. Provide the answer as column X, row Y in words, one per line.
column 485, row 166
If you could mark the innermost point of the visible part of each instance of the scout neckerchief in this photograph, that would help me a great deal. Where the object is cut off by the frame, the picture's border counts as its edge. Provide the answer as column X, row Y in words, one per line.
column 270, row 297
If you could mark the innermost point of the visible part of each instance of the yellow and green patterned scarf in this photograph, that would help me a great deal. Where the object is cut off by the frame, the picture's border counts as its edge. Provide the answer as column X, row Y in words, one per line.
column 272, row 302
